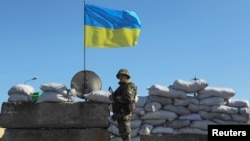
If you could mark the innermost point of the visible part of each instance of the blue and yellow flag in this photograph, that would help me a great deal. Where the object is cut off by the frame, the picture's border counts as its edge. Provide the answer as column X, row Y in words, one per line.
column 106, row 28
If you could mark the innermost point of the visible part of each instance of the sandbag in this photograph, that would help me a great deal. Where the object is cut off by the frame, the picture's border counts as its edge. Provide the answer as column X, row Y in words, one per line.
column 237, row 103
column 152, row 107
column 98, row 96
column 190, row 87
column 207, row 92
column 54, row 87
column 178, row 109
column 160, row 90
column 19, row 97
column 161, row 114
column 52, row 97
column 177, row 123
column 162, row 130
column 21, row 89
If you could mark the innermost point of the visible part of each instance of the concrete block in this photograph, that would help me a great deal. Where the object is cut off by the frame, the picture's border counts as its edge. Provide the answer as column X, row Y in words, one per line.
column 54, row 115
column 93, row 134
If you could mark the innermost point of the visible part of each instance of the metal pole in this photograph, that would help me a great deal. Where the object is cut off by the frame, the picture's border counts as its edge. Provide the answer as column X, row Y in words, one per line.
column 84, row 69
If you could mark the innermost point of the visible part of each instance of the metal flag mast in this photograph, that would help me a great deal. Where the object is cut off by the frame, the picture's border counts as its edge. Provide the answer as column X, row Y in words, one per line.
column 85, row 85
column 84, row 42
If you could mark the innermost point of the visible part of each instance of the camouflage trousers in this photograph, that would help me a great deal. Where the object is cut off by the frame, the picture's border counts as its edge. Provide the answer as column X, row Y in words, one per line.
column 124, row 126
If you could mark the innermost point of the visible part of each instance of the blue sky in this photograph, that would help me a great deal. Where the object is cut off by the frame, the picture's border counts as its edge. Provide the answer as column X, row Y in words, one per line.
column 179, row 39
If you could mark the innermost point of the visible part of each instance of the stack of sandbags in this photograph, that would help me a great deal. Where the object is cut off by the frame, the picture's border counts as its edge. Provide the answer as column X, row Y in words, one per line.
column 103, row 97
column 20, row 92
column 172, row 110
column 192, row 114
column 56, row 92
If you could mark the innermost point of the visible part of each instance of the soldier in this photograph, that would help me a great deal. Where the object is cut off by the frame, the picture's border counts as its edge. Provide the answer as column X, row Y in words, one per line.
column 124, row 103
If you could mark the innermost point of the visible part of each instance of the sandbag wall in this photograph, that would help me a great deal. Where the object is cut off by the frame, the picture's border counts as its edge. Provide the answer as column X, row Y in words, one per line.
column 54, row 116
column 182, row 108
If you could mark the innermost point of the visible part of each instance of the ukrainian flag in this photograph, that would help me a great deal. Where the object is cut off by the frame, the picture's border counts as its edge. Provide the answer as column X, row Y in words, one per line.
column 106, row 28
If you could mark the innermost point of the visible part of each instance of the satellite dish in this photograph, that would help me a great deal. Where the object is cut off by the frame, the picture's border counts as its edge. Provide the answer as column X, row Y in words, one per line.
column 85, row 82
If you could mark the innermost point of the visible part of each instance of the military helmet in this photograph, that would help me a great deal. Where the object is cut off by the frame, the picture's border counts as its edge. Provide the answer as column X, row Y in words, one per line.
column 124, row 72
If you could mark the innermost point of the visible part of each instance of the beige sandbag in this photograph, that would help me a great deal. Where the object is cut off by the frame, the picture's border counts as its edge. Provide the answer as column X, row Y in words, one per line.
column 165, row 91
column 224, row 109
column 177, row 123
column 52, row 97
column 152, row 107
column 190, row 87
column 21, row 89
column 162, row 130
column 178, row 109
column 237, row 102
column 19, row 97
column 207, row 92
column 99, row 96
column 161, row 114
column 54, row 87
column 190, row 130
column 202, row 124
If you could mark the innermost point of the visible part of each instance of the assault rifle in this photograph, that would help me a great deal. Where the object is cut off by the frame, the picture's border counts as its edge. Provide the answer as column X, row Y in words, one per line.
column 113, row 105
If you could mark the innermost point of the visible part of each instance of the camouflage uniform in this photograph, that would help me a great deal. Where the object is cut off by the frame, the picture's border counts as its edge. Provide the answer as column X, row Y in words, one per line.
column 124, row 95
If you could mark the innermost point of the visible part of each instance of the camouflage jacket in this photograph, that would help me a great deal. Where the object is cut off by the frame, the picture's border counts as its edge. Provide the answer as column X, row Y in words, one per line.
column 123, row 96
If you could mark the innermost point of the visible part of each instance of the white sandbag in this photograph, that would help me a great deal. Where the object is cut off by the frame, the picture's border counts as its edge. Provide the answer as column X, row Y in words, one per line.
column 225, row 93
column 135, row 116
column 177, row 123
column 224, row 109
column 154, row 122
column 178, row 109
column 137, row 138
column 145, row 129
column 99, row 96
column 114, row 130
column 191, row 116
column 226, row 122
column 190, row 87
column 160, row 99
column 162, row 130
column 152, row 107
column 111, row 121
column 134, row 132
column 193, row 100
column 196, row 108
column 240, row 118
column 237, row 103
column 212, row 101
column 139, row 110
column 19, row 97
column 211, row 115
column 183, row 102
column 52, row 97
column 245, row 111
column 141, row 101
column 190, row 130
column 21, row 89
column 166, row 91
column 161, row 114
column 135, row 123
column 202, row 124
column 54, row 87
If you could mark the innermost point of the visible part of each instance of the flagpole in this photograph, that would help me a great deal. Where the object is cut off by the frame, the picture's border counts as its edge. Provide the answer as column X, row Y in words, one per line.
column 84, row 53
column 84, row 42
